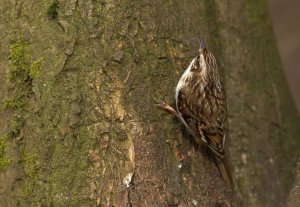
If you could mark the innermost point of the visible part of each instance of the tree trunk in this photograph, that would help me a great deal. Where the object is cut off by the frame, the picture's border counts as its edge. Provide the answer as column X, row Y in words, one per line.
column 78, row 122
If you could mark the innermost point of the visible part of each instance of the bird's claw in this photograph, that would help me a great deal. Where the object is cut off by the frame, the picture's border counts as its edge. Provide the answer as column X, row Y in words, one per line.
column 165, row 107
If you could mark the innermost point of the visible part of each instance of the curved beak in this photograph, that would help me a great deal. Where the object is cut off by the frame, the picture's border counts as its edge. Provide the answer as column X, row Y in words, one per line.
column 201, row 44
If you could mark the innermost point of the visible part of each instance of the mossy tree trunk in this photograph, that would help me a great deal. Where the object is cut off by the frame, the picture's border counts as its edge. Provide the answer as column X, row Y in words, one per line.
column 78, row 122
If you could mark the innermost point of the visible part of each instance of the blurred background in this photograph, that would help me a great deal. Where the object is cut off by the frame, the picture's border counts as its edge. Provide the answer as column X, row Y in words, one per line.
column 286, row 23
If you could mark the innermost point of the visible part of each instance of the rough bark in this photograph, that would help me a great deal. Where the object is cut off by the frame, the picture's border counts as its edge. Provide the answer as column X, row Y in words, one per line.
column 78, row 125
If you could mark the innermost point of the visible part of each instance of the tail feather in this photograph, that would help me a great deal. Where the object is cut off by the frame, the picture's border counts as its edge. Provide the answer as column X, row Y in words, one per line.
column 225, row 170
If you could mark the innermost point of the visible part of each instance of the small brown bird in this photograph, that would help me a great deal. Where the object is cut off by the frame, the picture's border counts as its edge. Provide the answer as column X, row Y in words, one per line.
column 201, row 107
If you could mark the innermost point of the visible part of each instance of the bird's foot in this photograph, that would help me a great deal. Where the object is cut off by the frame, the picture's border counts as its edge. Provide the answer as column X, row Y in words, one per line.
column 169, row 109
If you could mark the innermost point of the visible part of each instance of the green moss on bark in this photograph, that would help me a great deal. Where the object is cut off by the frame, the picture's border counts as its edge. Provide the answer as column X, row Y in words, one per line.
column 31, row 173
column 22, row 72
column 52, row 9
column 4, row 160
column 20, row 58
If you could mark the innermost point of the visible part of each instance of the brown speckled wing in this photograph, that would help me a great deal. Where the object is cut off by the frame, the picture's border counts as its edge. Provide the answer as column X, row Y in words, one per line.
column 205, row 114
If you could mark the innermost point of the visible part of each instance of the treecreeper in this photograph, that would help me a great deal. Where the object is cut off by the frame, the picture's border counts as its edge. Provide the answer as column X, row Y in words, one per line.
column 201, row 107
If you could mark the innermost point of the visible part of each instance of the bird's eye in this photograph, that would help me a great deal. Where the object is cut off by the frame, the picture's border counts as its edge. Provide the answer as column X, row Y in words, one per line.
column 193, row 68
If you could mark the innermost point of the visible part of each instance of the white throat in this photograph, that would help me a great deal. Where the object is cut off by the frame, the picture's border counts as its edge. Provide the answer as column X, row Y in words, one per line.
column 182, row 82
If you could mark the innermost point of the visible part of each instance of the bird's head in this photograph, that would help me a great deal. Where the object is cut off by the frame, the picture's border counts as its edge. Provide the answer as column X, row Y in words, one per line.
column 204, row 61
